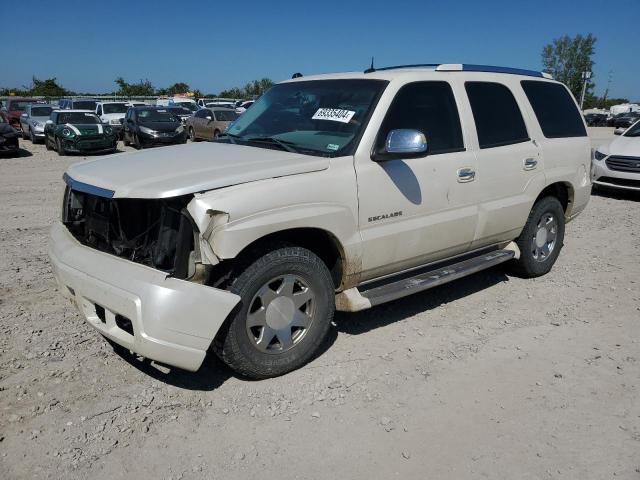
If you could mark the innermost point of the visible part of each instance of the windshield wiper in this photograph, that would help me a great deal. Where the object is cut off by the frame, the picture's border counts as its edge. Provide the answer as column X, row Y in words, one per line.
column 285, row 145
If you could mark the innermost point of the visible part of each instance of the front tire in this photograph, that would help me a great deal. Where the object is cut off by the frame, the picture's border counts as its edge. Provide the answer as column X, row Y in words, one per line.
column 192, row 134
column 541, row 239
column 60, row 148
column 47, row 143
column 286, row 308
column 34, row 140
column 24, row 135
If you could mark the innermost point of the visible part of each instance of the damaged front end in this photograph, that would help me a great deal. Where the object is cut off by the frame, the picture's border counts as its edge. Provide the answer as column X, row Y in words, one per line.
column 158, row 233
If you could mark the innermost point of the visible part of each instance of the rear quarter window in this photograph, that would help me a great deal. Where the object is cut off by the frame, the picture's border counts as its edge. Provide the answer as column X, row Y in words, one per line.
column 555, row 110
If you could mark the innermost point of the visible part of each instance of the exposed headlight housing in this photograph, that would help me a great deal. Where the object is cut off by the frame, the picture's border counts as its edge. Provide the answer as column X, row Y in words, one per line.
column 67, row 132
column 36, row 124
column 146, row 130
column 598, row 155
column 180, row 129
column 108, row 130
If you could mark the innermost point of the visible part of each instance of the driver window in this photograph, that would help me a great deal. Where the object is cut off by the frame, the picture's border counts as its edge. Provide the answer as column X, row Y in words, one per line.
column 429, row 107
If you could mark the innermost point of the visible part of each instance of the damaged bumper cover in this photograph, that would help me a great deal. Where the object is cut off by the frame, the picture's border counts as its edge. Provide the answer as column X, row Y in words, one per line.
column 138, row 307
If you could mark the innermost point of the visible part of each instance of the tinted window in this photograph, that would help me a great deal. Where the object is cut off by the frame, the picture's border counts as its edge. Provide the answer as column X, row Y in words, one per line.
column 429, row 107
column 496, row 114
column 201, row 114
column 555, row 109
column 225, row 116
column 41, row 111
column 84, row 104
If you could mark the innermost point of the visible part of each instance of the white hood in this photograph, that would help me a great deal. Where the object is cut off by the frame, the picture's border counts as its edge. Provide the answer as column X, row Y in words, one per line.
column 624, row 146
column 196, row 167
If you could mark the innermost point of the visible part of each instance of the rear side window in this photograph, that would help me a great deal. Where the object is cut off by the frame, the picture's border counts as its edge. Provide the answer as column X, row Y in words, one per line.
column 555, row 110
column 496, row 114
column 429, row 107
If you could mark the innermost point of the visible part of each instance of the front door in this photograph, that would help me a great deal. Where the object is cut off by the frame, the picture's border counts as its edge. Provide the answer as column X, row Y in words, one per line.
column 414, row 211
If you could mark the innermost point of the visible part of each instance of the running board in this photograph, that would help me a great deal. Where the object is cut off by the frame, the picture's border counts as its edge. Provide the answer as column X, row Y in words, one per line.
column 425, row 280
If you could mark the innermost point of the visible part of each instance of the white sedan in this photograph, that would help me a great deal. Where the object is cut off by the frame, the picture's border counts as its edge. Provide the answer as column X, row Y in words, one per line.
column 617, row 165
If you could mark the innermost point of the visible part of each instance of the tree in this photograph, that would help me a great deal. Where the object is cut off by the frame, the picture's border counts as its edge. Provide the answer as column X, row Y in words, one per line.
column 566, row 58
column 179, row 87
column 48, row 88
column 144, row 88
column 250, row 90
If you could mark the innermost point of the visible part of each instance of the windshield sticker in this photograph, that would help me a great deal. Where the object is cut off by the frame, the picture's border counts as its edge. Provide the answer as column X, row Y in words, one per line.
column 333, row 147
column 333, row 114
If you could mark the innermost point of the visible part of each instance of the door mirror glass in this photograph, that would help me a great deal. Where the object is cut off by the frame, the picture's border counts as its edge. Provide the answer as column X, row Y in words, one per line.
column 49, row 122
column 405, row 140
column 24, row 115
column 208, row 117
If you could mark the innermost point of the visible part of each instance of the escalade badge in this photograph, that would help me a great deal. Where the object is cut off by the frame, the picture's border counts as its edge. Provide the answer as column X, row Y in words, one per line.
column 385, row 216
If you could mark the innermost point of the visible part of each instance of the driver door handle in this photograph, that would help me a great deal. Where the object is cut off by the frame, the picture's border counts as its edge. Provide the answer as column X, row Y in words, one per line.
column 530, row 163
column 466, row 175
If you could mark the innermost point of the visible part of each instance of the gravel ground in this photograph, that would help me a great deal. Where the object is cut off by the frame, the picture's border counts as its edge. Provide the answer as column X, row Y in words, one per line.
column 489, row 377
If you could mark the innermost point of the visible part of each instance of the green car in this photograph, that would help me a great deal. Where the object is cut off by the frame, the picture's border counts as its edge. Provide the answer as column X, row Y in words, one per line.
column 78, row 131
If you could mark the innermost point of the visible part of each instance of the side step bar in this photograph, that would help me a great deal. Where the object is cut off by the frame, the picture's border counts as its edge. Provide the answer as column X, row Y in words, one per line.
column 425, row 280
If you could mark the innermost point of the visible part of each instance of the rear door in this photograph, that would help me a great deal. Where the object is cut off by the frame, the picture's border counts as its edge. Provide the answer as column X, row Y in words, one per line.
column 510, row 164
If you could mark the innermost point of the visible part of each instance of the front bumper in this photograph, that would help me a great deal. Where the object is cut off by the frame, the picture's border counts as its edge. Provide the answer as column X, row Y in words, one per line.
column 162, row 139
column 604, row 176
column 81, row 145
column 173, row 321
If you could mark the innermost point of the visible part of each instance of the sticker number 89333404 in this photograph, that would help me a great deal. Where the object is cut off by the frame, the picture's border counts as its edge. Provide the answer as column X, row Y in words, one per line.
column 333, row 114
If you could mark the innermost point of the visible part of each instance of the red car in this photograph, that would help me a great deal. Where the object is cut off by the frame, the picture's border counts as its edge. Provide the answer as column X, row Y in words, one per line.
column 13, row 108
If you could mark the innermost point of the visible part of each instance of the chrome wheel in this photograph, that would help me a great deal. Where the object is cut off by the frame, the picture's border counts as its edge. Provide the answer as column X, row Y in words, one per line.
column 544, row 239
column 280, row 314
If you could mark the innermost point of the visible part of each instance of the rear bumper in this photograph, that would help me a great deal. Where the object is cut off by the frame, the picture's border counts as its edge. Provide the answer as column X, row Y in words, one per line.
column 173, row 321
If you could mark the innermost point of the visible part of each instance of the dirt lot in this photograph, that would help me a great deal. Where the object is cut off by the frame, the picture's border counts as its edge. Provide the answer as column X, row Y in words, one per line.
column 490, row 377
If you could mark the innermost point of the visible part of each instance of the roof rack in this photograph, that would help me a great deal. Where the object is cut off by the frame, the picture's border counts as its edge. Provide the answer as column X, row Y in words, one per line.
column 466, row 67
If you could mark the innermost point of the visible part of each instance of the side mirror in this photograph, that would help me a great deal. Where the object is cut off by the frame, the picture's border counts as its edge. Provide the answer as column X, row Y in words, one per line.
column 24, row 115
column 403, row 143
column 618, row 131
column 49, row 122
column 208, row 117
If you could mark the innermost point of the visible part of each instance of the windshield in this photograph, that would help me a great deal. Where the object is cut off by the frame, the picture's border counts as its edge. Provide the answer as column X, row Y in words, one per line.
column 323, row 117
column 41, row 111
column 226, row 116
column 19, row 106
column 84, row 104
column 190, row 105
column 161, row 115
column 78, row 118
column 114, row 108
column 633, row 130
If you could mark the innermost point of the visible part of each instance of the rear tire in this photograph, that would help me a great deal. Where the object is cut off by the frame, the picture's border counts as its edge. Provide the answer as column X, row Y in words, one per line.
column 541, row 239
column 286, row 308
column 125, row 141
column 216, row 134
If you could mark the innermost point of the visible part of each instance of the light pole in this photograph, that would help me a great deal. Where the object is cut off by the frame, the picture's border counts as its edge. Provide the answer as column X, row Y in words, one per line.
column 585, row 78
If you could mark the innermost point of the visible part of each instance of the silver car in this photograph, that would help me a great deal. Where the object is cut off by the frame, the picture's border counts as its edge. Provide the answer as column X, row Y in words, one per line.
column 33, row 119
column 208, row 123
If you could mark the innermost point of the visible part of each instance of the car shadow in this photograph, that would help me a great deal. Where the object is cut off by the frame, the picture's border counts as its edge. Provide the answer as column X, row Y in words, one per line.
column 214, row 373
column 616, row 193
column 20, row 153
column 388, row 313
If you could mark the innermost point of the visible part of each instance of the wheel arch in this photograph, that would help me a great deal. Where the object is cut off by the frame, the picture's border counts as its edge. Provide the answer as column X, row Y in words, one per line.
column 563, row 191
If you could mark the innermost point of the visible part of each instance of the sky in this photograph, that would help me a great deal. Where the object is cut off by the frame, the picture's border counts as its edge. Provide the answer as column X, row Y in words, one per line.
column 216, row 45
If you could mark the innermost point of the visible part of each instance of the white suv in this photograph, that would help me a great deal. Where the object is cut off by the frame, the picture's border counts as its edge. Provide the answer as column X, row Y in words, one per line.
column 333, row 191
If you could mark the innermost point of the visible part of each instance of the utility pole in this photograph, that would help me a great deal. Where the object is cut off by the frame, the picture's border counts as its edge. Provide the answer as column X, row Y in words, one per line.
column 606, row 92
column 585, row 78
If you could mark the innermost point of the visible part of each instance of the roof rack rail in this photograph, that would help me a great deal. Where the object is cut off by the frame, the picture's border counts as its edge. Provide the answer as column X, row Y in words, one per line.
column 467, row 67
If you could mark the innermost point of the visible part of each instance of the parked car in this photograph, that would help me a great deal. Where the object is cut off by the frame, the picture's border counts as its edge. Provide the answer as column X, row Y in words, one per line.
column 14, row 108
column 333, row 191
column 617, row 165
column 596, row 119
column 148, row 126
column 8, row 137
column 182, row 113
column 112, row 113
column 33, row 119
column 77, row 104
column 626, row 119
column 78, row 131
column 209, row 123
column 221, row 103
column 185, row 102
column 136, row 104
column 243, row 107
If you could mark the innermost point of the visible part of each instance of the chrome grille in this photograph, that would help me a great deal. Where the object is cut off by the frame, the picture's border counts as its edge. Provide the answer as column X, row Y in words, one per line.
column 624, row 164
